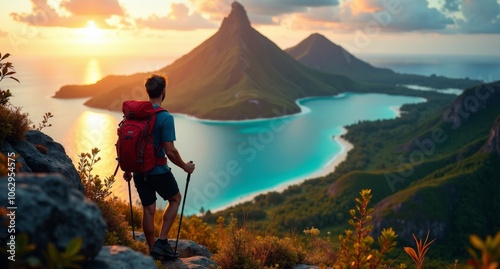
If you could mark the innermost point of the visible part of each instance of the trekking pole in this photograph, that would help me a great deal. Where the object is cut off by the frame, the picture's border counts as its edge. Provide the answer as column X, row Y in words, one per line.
column 130, row 199
column 182, row 211
column 131, row 211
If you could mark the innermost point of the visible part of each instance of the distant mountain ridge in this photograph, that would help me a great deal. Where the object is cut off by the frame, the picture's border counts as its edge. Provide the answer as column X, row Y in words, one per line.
column 236, row 74
column 318, row 52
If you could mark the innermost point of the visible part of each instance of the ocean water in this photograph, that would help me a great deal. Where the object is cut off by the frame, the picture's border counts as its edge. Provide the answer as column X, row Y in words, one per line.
column 234, row 160
column 485, row 68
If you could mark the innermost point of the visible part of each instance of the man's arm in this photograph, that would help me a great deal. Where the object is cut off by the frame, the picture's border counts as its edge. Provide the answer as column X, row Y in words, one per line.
column 175, row 157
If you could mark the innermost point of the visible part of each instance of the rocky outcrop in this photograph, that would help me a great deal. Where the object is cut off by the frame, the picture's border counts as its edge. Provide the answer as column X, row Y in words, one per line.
column 191, row 254
column 189, row 249
column 471, row 101
column 493, row 143
column 48, row 209
column 120, row 257
column 38, row 153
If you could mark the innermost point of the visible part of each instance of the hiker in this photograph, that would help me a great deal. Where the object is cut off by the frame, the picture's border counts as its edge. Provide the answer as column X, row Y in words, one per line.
column 160, row 179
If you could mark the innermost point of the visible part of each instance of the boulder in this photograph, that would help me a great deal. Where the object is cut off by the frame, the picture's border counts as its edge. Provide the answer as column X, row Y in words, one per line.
column 40, row 154
column 195, row 262
column 48, row 209
column 191, row 254
column 188, row 248
column 120, row 257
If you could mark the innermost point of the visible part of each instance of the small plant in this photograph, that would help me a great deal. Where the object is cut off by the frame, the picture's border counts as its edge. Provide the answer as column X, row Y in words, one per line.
column 6, row 71
column 355, row 247
column 97, row 189
column 422, row 247
column 44, row 122
column 484, row 254
column 29, row 257
column 67, row 259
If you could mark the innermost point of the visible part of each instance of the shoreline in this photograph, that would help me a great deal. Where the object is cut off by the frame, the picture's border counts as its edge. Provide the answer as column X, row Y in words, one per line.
column 327, row 169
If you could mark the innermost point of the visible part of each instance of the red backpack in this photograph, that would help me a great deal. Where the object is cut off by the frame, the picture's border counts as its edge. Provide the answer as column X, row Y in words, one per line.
column 135, row 147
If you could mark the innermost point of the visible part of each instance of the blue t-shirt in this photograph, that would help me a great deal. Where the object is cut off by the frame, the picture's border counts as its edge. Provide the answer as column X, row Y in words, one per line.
column 164, row 131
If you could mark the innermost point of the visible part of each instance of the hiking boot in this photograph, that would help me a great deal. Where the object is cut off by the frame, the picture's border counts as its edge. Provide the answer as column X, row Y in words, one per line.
column 164, row 250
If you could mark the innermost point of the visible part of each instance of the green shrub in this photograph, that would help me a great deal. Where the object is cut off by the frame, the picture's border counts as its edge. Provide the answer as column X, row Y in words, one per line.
column 234, row 247
column 272, row 251
column 320, row 250
column 14, row 123
column 239, row 247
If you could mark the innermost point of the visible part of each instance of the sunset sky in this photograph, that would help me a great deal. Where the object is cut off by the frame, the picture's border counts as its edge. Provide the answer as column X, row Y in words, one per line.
column 173, row 28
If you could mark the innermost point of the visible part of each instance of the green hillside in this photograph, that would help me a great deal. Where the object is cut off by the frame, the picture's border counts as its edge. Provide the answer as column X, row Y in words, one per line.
column 434, row 169
column 236, row 74
column 319, row 53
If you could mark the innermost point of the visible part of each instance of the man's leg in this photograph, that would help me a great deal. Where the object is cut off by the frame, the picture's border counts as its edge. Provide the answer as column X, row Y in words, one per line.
column 148, row 225
column 169, row 215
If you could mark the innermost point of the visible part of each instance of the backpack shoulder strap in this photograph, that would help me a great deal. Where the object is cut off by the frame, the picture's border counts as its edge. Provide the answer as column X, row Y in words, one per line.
column 159, row 109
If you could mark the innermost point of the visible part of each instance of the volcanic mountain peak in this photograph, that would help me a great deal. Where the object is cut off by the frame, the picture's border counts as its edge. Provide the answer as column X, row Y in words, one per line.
column 321, row 40
column 235, row 74
column 237, row 18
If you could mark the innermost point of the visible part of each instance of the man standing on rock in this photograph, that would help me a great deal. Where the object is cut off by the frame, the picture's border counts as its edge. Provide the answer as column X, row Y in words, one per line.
column 160, row 179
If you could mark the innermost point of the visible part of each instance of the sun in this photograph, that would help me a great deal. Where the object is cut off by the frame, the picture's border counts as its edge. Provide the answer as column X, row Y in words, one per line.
column 92, row 33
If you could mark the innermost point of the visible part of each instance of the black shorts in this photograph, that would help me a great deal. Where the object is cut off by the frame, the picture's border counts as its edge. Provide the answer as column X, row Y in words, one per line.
column 163, row 184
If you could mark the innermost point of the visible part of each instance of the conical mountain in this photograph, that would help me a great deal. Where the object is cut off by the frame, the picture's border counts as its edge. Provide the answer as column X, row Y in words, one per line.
column 235, row 74
column 318, row 52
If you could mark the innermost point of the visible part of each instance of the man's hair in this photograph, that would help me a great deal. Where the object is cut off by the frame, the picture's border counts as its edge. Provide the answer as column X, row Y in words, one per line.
column 155, row 85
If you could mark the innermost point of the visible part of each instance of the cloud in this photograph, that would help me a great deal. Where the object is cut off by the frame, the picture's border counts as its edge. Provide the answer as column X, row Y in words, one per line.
column 105, row 8
column 480, row 16
column 385, row 15
column 451, row 5
column 3, row 34
column 346, row 15
column 319, row 18
column 259, row 11
column 80, row 12
column 178, row 19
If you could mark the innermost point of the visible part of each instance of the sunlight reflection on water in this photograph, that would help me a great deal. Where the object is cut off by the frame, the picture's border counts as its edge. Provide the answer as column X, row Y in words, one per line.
column 98, row 130
column 93, row 71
